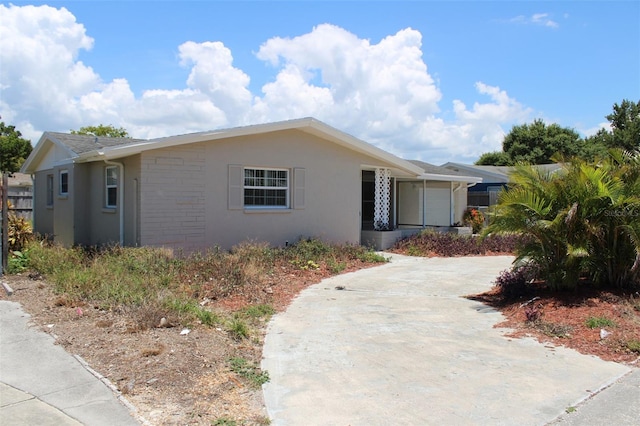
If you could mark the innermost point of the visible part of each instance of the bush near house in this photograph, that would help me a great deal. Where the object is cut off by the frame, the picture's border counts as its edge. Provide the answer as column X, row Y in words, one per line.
column 473, row 218
column 430, row 243
column 582, row 223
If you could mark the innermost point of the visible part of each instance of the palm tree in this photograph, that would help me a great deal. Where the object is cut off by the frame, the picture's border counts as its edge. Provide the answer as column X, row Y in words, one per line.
column 582, row 221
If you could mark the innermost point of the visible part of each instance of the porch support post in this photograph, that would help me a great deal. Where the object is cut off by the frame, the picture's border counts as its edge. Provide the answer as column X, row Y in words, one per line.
column 424, row 203
column 382, row 199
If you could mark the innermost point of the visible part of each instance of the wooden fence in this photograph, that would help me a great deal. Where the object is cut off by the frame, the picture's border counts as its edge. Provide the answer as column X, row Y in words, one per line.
column 21, row 201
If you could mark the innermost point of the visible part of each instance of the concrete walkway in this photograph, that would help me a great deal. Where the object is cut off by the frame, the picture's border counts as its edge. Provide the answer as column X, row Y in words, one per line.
column 41, row 384
column 397, row 344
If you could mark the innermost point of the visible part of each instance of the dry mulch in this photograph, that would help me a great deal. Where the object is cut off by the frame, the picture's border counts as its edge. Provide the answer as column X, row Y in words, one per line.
column 563, row 320
column 185, row 379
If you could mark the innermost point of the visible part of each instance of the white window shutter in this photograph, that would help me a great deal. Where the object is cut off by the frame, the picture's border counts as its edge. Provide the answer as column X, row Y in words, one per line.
column 236, row 187
column 299, row 177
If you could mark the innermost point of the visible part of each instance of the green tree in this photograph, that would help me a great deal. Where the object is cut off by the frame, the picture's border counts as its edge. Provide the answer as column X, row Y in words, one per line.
column 625, row 127
column 582, row 222
column 14, row 149
column 495, row 158
column 537, row 142
column 102, row 130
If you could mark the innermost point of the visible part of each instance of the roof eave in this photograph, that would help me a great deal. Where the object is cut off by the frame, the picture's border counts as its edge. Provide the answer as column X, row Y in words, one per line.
column 36, row 153
column 450, row 178
column 299, row 124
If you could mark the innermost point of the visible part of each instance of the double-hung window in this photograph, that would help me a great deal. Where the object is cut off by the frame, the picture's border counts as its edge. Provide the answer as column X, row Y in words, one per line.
column 266, row 188
column 63, row 188
column 111, row 186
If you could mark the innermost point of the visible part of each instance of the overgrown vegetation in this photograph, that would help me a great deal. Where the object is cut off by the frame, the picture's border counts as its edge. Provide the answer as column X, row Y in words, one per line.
column 582, row 224
column 431, row 243
column 153, row 280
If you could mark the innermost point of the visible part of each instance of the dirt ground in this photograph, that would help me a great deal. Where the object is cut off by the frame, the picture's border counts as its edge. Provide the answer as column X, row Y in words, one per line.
column 177, row 378
column 171, row 377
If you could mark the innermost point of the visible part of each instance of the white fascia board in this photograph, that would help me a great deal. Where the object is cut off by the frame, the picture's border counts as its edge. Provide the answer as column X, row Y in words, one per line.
column 170, row 141
column 450, row 178
column 304, row 124
column 37, row 153
column 498, row 177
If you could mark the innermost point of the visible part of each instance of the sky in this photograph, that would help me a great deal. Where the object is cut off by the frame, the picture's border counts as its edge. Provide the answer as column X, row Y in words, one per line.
column 429, row 80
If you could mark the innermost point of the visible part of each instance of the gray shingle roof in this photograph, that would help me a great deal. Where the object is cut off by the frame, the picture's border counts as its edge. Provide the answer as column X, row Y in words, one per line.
column 504, row 170
column 80, row 144
column 436, row 170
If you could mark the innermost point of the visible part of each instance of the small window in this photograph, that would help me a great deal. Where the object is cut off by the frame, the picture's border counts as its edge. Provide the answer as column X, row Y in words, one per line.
column 64, row 182
column 111, row 186
column 266, row 188
column 49, row 190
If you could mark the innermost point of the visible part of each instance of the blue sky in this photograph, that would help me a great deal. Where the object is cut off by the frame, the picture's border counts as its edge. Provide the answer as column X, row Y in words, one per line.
column 481, row 67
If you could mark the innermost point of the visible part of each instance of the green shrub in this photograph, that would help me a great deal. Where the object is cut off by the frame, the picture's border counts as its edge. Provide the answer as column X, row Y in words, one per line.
column 473, row 218
column 18, row 261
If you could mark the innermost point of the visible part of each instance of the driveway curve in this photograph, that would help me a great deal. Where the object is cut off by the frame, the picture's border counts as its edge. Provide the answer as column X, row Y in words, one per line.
column 397, row 344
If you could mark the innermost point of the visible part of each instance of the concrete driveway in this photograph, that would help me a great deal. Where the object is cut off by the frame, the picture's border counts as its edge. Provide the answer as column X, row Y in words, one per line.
column 399, row 345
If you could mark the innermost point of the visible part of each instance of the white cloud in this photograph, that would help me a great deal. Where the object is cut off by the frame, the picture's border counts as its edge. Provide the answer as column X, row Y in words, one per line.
column 541, row 19
column 380, row 92
column 593, row 130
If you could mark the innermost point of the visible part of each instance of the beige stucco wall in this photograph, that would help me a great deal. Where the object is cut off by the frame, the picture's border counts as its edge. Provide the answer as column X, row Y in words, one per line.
column 103, row 224
column 42, row 214
column 184, row 192
column 63, row 211
column 81, row 217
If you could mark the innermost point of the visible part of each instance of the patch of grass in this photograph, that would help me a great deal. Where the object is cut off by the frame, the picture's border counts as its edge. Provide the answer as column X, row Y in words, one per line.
column 633, row 345
column 258, row 311
column 599, row 322
column 238, row 329
column 191, row 308
column 249, row 371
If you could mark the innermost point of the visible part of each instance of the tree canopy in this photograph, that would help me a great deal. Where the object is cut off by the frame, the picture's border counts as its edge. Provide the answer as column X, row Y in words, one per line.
column 539, row 143
column 625, row 128
column 534, row 143
column 14, row 149
column 102, row 130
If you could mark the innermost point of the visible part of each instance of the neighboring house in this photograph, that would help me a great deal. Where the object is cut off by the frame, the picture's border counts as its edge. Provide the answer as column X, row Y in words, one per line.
column 272, row 182
column 494, row 178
